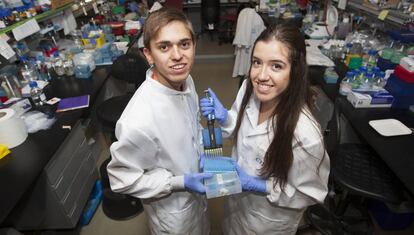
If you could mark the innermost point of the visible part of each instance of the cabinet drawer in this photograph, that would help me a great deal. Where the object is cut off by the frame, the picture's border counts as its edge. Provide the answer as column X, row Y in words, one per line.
column 71, row 196
column 69, row 151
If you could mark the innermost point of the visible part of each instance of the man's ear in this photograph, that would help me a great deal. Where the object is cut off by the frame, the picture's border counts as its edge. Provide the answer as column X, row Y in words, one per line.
column 147, row 54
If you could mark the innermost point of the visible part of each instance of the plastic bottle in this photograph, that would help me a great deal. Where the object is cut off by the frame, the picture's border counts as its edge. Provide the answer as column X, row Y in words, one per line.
column 346, row 85
column 372, row 59
column 37, row 94
column 380, row 80
column 366, row 84
column 27, row 70
column 58, row 64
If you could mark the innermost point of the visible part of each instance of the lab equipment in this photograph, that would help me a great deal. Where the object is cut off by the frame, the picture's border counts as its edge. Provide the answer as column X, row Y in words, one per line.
column 212, row 135
column 225, row 180
column 222, row 184
column 213, row 104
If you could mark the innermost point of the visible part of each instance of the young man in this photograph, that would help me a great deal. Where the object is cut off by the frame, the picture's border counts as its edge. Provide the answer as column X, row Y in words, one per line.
column 159, row 142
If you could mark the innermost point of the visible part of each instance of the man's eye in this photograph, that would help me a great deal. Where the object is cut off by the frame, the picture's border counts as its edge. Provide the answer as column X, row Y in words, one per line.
column 185, row 44
column 163, row 47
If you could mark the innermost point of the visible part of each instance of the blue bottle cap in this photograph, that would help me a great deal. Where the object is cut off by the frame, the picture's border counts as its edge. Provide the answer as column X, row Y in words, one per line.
column 32, row 84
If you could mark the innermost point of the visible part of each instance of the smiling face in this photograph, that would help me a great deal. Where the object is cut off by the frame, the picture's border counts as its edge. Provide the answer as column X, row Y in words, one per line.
column 270, row 71
column 172, row 54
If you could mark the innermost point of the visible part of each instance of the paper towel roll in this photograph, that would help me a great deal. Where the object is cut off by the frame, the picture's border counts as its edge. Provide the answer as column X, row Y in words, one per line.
column 12, row 128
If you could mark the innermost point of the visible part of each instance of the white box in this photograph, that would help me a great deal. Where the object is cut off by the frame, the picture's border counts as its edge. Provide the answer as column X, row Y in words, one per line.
column 359, row 100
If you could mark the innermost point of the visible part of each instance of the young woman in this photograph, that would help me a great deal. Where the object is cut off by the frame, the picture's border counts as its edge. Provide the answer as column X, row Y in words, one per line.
column 157, row 153
column 278, row 147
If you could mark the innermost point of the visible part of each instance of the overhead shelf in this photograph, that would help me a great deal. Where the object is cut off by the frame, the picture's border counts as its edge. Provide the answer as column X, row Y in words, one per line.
column 393, row 16
column 40, row 17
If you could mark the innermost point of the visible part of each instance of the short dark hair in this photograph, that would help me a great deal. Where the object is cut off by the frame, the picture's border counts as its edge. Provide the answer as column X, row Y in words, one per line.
column 160, row 18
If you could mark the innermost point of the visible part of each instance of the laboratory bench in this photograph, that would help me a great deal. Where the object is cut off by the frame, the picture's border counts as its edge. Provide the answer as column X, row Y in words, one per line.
column 46, row 181
column 396, row 151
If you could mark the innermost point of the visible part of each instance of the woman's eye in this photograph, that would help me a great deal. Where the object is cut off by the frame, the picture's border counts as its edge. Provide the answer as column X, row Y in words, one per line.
column 256, row 62
column 277, row 67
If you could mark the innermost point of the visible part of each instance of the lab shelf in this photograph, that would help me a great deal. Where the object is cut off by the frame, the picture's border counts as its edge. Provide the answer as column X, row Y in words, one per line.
column 395, row 17
column 40, row 17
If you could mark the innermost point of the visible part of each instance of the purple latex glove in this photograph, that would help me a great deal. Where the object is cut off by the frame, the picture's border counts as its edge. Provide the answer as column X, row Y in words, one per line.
column 213, row 105
column 250, row 183
column 194, row 182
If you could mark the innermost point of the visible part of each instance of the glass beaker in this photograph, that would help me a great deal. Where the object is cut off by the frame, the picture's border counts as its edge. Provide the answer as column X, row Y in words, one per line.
column 10, row 85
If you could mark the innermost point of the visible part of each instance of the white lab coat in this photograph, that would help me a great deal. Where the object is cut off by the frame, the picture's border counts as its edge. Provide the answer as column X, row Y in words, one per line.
column 276, row 212
column 159, row 141
column 249, row 26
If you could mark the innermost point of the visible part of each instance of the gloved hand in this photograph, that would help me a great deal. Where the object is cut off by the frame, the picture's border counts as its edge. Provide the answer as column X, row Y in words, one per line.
column 201, row 163
column 215, row 107
column 250, row 183
column 194, row 182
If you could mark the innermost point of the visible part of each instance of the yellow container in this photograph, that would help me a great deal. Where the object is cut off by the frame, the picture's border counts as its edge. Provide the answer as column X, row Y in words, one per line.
column 97, row 41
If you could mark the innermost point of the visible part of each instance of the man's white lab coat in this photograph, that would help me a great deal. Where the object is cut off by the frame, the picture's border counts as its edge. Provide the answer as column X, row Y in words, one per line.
column 158, row 142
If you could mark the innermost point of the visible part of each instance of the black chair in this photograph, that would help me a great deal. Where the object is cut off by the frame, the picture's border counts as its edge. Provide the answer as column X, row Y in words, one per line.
column 132, row 69
column 210, row 17
column 357, row 174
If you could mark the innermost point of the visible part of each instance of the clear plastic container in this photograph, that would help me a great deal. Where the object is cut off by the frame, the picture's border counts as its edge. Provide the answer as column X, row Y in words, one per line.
column 58, row 65
column 223, row 184
column 27, row 70
column 346, row 85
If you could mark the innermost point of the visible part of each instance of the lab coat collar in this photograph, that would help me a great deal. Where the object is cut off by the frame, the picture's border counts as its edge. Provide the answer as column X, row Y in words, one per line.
column 252, row 112
column 166, row 90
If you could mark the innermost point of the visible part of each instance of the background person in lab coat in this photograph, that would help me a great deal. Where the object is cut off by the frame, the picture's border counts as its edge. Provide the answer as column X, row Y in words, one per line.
column 159, row 142
column 278, row 147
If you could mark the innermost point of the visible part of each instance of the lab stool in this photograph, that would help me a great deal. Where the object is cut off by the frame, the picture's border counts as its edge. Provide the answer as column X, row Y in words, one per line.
column 132, row 69
column 117, row 206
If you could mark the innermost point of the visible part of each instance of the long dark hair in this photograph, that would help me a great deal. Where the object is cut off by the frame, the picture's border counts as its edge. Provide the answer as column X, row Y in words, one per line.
column 297, row 96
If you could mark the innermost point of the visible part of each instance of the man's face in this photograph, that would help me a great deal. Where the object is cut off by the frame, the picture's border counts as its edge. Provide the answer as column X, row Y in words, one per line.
column 172, row 54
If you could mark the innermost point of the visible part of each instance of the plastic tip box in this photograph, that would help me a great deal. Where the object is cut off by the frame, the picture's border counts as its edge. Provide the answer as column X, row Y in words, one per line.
column 225, row 180
column 222, row 184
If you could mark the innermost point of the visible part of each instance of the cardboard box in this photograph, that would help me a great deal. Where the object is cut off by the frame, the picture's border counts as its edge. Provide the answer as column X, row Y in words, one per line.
column 60, row 3
column 359, row 100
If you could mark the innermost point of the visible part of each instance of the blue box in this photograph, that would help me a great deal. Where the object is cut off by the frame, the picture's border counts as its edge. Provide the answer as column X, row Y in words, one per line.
column 385, row 64
column 402, row 91
column 94, row 199
column 387, row 219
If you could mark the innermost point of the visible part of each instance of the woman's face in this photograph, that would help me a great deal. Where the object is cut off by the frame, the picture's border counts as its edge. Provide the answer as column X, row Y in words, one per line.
column 270, row 71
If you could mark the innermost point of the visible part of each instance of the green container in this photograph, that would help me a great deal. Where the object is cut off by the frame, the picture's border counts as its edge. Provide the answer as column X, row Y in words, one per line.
column 118, row 10
column 387, row 53
column 397, row 57
column 355, row 62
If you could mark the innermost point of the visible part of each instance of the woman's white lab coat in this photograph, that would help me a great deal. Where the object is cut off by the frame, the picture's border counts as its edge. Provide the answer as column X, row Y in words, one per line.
column 275, row 212
column 158, row 142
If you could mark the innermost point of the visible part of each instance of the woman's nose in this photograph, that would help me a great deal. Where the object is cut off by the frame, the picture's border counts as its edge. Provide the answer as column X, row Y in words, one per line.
column 263, row 74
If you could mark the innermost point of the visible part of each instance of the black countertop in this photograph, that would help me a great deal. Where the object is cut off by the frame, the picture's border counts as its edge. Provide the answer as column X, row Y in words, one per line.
column 20, row 169
column 396, row 151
